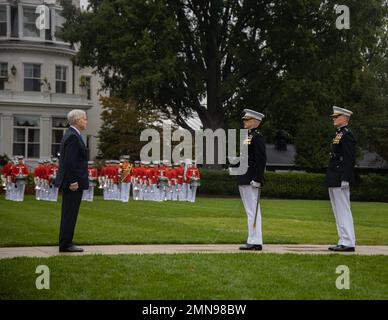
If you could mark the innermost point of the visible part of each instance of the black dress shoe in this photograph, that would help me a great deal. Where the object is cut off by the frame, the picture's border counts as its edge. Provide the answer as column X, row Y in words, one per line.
column 342, row 248
column 71, row 249
column 256, row 247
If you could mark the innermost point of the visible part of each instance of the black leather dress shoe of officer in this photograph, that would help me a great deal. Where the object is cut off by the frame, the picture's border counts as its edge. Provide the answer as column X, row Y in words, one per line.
column 253, row 247
column 71, row 249
column 342, row 248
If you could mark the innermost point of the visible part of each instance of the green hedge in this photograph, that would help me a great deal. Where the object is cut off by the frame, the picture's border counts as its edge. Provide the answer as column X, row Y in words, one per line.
column 294, row 186
column 282, row 185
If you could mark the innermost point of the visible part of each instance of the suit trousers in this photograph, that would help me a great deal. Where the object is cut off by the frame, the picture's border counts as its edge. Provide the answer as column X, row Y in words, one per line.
column 250, row 198
column 71, row 201
column 340, row 202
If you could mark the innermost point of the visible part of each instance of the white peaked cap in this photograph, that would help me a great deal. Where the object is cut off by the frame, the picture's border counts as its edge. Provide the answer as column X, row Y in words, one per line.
column 338, row 111
column 248, row 113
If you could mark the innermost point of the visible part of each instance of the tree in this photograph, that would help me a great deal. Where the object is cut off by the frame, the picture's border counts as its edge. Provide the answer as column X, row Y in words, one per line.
column 214, row 58
column 121, row 128
column 370, row 94
column 313, row 144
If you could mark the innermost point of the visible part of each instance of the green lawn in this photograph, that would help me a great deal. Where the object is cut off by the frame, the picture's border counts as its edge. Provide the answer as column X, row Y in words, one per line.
column 196, row 276
column 206, row 221
column 192, row 276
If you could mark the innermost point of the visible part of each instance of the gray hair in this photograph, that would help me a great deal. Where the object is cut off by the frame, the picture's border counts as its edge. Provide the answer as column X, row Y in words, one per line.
column 74, row 115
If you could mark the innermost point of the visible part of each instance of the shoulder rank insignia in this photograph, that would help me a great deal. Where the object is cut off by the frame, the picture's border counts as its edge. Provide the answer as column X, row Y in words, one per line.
column 337, row 138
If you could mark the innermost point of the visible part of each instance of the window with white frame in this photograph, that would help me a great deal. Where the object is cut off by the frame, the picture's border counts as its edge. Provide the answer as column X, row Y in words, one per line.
column 60, row 79
column 59, row 127
column 3, row 74
column 26, row 136
column 14, row 22
column 3, row 21
column 29, row 22
column 32, row 81
column 59, row 21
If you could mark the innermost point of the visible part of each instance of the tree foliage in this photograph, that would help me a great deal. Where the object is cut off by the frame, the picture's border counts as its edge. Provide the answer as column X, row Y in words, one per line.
column 121, row 128
column 214, row 58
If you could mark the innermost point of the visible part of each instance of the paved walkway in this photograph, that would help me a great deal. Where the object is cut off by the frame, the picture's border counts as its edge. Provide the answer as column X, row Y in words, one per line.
column 44, row 252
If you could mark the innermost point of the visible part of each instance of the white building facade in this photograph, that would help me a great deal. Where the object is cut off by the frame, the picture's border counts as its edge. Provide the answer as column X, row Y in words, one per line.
column 39, row 83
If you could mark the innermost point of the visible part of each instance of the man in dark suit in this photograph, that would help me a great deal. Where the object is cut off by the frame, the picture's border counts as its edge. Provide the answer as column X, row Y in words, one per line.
column 340, row 176
column 251, row 182
column 72, row 177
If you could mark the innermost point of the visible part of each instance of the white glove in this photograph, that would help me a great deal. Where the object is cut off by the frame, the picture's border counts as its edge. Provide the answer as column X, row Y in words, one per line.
column 344, row 184
column 255, row 184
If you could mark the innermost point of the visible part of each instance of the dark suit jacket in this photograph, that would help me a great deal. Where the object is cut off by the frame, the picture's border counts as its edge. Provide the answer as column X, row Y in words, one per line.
column 257, row 159
column 342, row 159
column 73, row 161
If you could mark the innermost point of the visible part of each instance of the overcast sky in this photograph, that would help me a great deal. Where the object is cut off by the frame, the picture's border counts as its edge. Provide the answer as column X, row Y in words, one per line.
column 84, row 3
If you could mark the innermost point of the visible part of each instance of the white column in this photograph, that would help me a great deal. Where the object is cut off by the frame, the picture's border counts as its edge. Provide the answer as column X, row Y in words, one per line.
column 52, row 23
column 20, row 20
column 45, row 136
column 8, row 21
column 7, row 134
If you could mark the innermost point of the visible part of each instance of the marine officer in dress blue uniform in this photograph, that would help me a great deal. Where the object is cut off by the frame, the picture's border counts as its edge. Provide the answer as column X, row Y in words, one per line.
column 340, row 176
column 251, row 182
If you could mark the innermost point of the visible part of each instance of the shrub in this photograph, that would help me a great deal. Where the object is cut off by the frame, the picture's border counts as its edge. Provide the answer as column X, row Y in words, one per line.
column 294, row 185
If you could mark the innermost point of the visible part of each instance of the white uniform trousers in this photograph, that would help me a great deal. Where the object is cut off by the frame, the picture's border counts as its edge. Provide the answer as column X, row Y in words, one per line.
column 124, row 191
column 183, row 192
column 141, row 191
column 174, row 196
column 85, row 195
column 157, row 193
column 249, row 197
column 18, row 192
column 11, row 194
column 189, row 193
column 53, row 194
column 88, row 195
column 340, row 202
column 116, row 192
column 105, row 193
column 136, row 191
column 44, row 192
column 169, row 193
column 193, row 193
column 37, row 193
column 7, row 191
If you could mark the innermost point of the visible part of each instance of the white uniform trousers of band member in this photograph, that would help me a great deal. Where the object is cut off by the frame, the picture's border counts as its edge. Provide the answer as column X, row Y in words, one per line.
column 141, row 191
column 136, row 190
column 191, row 193
column 249, row 197
column 163, row 193
column 53, row 193
column 116, row 192
column 153, row 194
column 174, row 196
column 11, row 191
column 124, row 191
column 19, row 192
column 7, row 191
column 340, row 202
column 88, row 195
column 183, row 192
column 169, row 193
